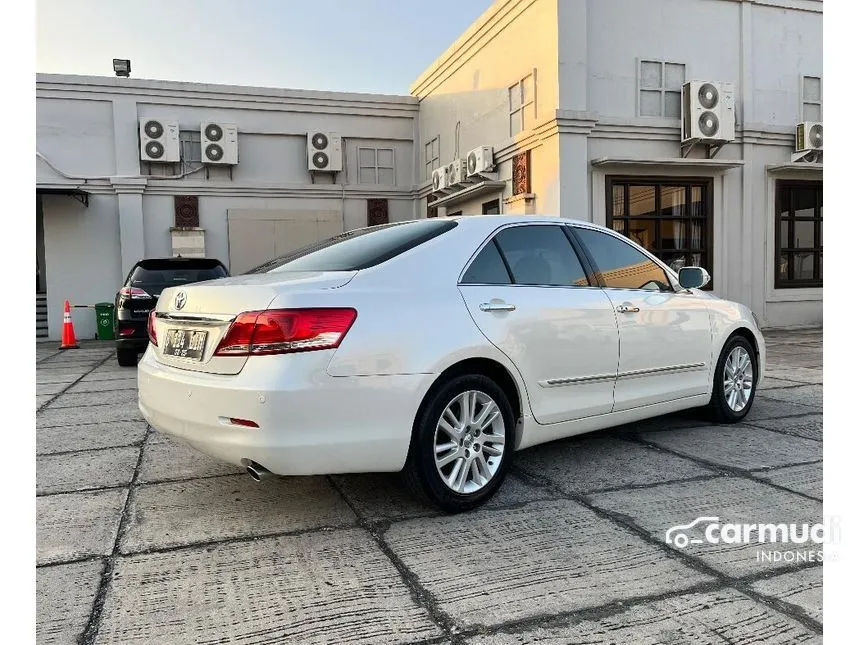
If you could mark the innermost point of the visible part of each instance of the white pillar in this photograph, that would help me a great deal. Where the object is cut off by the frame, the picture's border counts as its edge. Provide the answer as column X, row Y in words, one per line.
column 129, row 193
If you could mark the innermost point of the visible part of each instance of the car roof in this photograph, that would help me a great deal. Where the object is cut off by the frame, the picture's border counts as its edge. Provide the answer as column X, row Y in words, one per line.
column 493, row 221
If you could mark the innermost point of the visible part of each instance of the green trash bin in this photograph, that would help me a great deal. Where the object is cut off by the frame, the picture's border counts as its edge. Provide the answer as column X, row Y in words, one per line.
column 104, row 320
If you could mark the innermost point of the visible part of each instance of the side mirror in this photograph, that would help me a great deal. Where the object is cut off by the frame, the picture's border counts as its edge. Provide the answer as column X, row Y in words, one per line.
column 693, row 277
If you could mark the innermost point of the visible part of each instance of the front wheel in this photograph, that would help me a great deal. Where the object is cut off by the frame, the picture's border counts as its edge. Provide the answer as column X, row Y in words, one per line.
column 735, row 381
column 462, row 444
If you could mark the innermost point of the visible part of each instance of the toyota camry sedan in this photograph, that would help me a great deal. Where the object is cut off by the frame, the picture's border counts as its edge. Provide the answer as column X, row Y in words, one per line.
column 439, row 347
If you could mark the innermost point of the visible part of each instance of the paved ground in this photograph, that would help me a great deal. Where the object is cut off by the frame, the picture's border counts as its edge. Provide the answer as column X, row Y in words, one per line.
column 142, row 540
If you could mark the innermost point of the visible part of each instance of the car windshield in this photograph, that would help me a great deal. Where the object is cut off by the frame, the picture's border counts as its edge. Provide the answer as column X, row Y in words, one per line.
column 155, row 276
column 360, row 248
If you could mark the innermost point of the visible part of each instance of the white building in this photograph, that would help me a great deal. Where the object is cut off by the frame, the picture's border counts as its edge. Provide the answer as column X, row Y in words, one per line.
column 583, row 97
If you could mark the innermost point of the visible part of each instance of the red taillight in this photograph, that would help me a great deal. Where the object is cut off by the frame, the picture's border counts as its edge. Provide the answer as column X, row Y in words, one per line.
column 282, row 331
column 134, row 292
column 150, row 328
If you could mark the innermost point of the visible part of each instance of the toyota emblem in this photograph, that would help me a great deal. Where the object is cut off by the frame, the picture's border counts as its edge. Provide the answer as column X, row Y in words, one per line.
column 179, row 302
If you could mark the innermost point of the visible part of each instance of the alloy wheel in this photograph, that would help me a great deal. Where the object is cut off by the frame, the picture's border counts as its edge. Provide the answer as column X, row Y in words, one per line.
column 738, row 379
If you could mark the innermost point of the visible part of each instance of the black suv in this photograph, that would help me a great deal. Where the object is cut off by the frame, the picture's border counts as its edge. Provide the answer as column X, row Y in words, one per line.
column 140, row 291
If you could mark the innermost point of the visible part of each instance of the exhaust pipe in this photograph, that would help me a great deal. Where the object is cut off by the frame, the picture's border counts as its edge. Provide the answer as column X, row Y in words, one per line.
column 257, row 472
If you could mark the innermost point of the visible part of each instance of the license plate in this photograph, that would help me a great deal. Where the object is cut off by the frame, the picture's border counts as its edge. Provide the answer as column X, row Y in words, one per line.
column 185, row 343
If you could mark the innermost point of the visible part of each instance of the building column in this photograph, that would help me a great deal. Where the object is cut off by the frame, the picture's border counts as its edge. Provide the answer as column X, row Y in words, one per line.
column 129, row 193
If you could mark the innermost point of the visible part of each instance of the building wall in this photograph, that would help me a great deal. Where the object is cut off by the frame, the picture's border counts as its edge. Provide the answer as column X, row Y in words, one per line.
column 87, row 132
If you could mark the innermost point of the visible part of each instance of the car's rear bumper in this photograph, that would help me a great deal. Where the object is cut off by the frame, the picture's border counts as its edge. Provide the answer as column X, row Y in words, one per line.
column 131, row 335
column 309, row 422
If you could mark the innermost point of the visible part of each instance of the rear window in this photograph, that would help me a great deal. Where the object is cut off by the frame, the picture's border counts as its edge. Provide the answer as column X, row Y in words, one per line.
column 360, row 248
column 155, row 275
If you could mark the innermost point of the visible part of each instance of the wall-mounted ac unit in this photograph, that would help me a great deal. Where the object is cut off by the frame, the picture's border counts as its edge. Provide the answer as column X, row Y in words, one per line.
column 440, row 179
column 809, row 137
column 324, row 152
column 219, row 143
column 456, row 172
column 707, row 111
column 479, row 160
column 159, row 140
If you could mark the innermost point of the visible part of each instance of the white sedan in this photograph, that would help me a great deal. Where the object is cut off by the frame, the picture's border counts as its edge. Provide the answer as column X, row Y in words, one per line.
column 439, row 347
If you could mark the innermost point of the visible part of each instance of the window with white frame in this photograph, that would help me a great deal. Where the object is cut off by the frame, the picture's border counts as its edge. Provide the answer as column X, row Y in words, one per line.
column 521, row 104
column 376, row 166
column 660, row 88
column 811, row 88
column 431, row 156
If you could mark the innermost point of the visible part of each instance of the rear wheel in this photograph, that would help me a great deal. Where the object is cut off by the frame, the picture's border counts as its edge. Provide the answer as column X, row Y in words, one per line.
column 462, row 444
column 735, row 381
column 126, row 357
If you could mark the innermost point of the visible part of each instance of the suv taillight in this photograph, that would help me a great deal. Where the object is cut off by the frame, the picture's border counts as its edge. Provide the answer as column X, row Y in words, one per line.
column 150, row 328
column 135, row 293
column 283, row 331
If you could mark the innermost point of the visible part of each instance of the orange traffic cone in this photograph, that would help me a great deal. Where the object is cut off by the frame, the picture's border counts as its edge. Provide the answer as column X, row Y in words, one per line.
column 69, row 340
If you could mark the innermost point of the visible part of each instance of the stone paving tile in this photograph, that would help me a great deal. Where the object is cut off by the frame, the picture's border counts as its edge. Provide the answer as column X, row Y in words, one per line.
column 384, row 496
column 76, row 525
column 806, row 479
column 82, row 470
column 771, row 383
column 335, row 587
column 764, row 408
column 739, row 446
column 712, row 618
column 50, row 388
column 110, row 375
column 810, row 426
column 683, row 419
column 166, row 459
column 42, row 399
column 490, row 567
column 592, row 463
column 203, row 510
column 731, row 499
column 106, row 385
column 127, row 398
column 796, row 374
column 52, row 417
column 807, row 395
column 89, row 436
column 51, row 377
column 64, row 600
column 804, row 589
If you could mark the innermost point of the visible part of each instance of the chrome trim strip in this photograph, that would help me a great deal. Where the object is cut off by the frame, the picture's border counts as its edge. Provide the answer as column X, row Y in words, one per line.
column 197, row 319
column 558, row 382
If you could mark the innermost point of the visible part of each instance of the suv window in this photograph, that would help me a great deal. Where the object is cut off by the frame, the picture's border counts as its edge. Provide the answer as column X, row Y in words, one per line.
column 360, row 248
column 487, row 268
column 621, row 264
column 541, row 255
column 153, row 276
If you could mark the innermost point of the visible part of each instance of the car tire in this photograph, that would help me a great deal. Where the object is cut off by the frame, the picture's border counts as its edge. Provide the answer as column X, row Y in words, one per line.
column 731, row 400
column 126, row 357
column 492, row 433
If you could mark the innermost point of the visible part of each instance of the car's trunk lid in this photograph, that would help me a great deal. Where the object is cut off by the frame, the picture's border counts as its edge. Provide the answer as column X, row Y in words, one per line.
column 201, row 313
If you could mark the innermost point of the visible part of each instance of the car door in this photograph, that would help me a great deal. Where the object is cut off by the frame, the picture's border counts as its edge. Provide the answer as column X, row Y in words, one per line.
column 665, row 334
column 527, row 291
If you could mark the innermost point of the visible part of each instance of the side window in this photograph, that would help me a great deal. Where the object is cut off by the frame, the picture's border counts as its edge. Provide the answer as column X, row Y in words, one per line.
column 487, row 268
column 541, row 255
column 622, row 266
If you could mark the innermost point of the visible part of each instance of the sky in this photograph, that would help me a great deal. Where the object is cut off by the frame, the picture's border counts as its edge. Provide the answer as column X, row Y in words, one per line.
column 376, row 46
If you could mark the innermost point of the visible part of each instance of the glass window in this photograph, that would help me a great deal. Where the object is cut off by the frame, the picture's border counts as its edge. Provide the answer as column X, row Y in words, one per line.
column 521, row 104
column 431, row 157
column 670, row 218
column 812, row 99
column 621, row 264
column 799, row 240
column 487, row 268
column 153, row 276
column 660, row 88
column 360, row 248
column 490, row 208
column 376, row 166
column 541, row 255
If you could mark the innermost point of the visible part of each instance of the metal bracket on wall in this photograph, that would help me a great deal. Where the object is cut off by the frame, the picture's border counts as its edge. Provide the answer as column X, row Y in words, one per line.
column 83, row 198
column 711, row 148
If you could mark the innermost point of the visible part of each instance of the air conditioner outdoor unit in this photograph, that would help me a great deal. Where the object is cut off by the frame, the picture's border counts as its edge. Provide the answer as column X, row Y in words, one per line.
column 707, row 111
column 479, row 160
column 324, row 152
column 440, row 179
column 159, row 140
column 456, row 172
column 219, row 143
column 809, row 137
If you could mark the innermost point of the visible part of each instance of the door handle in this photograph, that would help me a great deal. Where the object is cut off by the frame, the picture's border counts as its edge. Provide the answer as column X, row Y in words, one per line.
column 627, row 309
column 496, row 305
